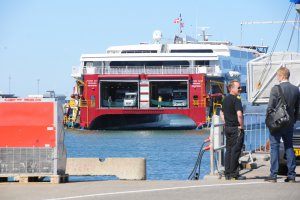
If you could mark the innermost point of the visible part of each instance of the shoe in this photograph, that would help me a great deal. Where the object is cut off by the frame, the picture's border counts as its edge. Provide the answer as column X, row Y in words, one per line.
column 227, row 178
column 290, row 180
column 271, row 179
column 239, row 178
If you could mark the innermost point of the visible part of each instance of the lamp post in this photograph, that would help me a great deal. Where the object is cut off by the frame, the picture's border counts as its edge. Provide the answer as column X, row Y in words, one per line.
column 9, row 79
column 38, row 86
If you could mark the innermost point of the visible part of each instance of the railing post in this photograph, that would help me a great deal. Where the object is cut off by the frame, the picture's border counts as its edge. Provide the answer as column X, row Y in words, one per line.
column 212, row 164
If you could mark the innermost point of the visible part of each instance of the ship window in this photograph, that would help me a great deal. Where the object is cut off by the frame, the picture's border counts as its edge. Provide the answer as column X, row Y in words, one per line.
column 92, row 63
column 244, row 70
column 88, row 63
column 244, row 54
column 139, row 51
column 202, row 62
column 148, row 63
column 241, row 54
column 262, row 49
column 250, row 55
column 191, row 51
column 226, row 64
column 93, row 101
column 235, row 53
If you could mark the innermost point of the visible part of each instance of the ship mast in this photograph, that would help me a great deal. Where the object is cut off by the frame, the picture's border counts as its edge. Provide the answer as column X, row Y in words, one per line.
column 180, row 23
column 204, row 34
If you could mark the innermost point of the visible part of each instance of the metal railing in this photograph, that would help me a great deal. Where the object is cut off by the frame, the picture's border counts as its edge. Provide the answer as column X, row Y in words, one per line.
column 256, row 138
column 256, row 132
column 209, row 70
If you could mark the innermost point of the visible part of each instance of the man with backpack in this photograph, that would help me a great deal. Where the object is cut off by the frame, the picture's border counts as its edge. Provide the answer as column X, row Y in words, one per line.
column 292, row 97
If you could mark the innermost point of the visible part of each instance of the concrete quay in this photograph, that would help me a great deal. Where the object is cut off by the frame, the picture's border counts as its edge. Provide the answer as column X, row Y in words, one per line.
column 213, row 188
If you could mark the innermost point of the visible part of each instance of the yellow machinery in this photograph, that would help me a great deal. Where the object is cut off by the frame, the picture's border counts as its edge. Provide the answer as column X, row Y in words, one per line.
column 72, row 108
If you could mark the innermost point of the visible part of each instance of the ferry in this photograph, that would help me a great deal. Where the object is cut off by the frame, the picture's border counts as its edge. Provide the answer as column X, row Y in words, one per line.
column 162, row 85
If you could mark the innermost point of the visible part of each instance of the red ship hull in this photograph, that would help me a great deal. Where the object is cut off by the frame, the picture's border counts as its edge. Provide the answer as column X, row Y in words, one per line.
column 97, row 110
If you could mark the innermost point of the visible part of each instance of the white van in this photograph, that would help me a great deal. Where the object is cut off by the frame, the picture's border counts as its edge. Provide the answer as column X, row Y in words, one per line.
column 180, row 98
column 130, row 99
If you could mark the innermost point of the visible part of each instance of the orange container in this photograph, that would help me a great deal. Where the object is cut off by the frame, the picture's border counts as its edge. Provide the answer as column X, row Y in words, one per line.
column 31, row 132
column 27, row 123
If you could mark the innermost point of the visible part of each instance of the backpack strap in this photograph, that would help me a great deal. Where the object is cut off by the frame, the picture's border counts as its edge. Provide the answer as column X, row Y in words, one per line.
column 281, row 94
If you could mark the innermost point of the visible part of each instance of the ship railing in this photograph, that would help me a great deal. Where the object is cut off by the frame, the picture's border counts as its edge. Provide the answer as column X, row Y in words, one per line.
column 256, row 138
column 77, row 72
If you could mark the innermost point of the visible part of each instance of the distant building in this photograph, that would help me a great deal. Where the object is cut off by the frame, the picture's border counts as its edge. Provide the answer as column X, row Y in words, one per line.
column 49, row 94
column 2, row 95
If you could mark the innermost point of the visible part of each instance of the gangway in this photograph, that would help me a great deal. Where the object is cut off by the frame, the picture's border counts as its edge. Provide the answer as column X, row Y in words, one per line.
column 262, row 74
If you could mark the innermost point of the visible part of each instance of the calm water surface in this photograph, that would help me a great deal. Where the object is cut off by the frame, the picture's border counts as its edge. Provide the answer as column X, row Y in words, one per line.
column 170, row 155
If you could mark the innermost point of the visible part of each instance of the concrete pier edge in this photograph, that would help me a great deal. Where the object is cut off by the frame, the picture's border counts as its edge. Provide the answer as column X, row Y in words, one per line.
column 123, row 168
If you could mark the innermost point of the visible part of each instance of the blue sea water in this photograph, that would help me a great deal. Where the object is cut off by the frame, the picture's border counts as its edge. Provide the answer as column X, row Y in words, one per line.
column 170, row 155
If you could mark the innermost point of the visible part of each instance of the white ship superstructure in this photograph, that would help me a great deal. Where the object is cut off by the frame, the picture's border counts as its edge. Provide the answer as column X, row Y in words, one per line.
column 211, row 57
column 175, row 85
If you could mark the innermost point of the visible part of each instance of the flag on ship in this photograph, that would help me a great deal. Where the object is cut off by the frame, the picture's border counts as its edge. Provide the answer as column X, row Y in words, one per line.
column 179, row 21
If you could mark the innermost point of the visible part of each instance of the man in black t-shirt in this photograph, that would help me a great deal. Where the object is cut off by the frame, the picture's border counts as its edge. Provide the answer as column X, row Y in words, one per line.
column 232, row 114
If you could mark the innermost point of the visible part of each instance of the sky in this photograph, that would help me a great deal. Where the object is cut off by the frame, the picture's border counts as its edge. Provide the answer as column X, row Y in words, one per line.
column 41, row 40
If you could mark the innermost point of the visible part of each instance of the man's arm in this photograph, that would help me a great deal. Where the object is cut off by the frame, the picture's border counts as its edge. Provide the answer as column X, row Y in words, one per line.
column 240, row 119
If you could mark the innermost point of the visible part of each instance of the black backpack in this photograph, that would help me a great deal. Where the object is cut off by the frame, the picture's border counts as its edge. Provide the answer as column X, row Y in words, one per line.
column 278, row 117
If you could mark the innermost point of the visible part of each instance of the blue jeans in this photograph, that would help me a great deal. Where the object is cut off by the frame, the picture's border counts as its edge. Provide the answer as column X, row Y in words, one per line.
column 286, row 134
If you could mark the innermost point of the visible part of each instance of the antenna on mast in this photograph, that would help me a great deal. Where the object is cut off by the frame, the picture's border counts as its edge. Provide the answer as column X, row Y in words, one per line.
column 204, row 35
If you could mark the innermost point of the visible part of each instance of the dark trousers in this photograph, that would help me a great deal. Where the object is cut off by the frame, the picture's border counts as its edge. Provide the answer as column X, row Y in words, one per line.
column 234, row 145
